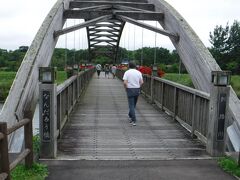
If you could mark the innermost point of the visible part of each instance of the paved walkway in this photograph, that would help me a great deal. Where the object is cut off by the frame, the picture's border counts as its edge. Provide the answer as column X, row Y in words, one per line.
column 137, row 170
column 99, row 143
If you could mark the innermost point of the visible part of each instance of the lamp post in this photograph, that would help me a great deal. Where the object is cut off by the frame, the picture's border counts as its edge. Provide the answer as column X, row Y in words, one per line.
column 154, row 70
column 75, row 69
column 219, row 97
column 47, row 112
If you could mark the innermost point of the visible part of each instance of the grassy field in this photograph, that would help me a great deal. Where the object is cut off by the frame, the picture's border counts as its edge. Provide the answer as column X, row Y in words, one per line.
column 61, row 77
column 186, row 80
column 6, row 79
column 183, row 79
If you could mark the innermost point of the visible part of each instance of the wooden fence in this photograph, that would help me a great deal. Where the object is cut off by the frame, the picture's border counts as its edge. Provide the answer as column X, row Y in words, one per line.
column 27, row 153
column 68, row 94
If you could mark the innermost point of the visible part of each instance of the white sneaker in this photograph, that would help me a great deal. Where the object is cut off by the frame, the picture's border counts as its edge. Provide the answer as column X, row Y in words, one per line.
column 134, row 124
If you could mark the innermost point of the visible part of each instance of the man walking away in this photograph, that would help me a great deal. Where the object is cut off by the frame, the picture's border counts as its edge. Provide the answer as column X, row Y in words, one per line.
column 99, row 68
column 114, row 69
column 132, row 80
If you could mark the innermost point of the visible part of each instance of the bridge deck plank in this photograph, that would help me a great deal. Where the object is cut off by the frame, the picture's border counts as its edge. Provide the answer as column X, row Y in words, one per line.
column 98, row 129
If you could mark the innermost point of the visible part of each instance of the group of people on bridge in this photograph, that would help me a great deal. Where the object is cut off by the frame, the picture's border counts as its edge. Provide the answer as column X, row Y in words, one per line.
column 107, row 69
column 132, row 80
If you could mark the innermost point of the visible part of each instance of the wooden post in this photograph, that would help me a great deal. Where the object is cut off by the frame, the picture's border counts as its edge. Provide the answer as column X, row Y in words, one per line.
column 48, row 120
column 28, row 135
column 152, row 90
column 4, row 158
column 162, row 97
column 216, row 136
column 59, row 113
column 193, row 117
column 78, row 87
column 175, row 103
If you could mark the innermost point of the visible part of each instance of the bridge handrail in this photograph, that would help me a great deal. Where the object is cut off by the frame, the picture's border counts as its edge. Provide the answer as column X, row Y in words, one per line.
column 27, row 153
column 185, row 88
column 171, row 97
column 168, row 95
column 68, row 93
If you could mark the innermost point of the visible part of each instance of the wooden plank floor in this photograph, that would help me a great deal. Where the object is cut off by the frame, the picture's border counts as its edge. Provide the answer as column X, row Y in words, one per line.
column 98, row 129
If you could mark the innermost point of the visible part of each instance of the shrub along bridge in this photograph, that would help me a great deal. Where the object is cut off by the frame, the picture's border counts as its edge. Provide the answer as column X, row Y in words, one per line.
column 210, row 113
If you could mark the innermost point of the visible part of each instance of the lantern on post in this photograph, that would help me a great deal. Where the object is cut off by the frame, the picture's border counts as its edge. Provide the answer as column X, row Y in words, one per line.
column 154, row 70
column 47, row 75
column 75, row 69
column 221, row 78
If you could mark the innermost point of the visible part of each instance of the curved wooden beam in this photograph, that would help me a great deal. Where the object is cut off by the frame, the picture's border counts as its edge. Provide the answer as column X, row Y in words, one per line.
column 23, row 95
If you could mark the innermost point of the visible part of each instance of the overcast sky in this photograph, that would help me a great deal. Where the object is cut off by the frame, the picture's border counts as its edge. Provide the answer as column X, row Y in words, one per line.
column 21, row 19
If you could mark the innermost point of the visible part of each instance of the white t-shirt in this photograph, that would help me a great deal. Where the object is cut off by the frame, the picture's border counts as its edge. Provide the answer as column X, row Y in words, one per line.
column 133, row 77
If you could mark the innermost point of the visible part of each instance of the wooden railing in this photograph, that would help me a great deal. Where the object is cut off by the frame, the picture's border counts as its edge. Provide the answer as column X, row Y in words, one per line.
column 68, row 94
column 187, row 105
column 27, row 153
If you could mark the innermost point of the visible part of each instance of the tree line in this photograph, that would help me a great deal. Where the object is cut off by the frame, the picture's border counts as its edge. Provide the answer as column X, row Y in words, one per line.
column 225, row 49
column 226, row 46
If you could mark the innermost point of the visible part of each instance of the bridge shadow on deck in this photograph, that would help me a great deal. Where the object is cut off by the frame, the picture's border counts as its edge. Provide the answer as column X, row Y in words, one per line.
column 98, row 129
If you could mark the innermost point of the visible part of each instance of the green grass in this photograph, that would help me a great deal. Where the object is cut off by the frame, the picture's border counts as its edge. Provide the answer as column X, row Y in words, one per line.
column 61, row 77
column 6, row 79
column 235, row 82
column 185, row 79
column 229, row 165
column 36, row 172
column 36, row 144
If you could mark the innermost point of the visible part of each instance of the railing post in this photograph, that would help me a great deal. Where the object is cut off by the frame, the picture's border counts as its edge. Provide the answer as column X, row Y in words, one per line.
column 162, row 96
column 193, row 117
column 219, row 97
column 4, row 158
column 59, row 113
column 28, row 136
column 47, row 116
column 175, row 103
column 78, row 87
column 152, row 89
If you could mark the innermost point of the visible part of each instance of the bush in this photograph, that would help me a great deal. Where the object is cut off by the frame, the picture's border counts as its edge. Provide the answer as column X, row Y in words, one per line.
column 36, row 144
column 229, row 165
column 36, row 172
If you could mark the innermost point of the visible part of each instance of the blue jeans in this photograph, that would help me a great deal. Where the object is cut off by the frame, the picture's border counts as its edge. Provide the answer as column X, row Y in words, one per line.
column 132, row 94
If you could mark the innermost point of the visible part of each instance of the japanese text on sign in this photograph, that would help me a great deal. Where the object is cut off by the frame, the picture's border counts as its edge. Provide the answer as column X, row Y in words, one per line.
column 46, row 115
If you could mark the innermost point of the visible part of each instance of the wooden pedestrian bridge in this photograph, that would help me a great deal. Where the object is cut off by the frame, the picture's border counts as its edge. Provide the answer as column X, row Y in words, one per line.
column 98, row 127
column 86, row 117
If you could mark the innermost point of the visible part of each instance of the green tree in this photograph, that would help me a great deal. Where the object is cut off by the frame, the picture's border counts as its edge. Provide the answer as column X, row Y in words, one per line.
column 226, row 46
